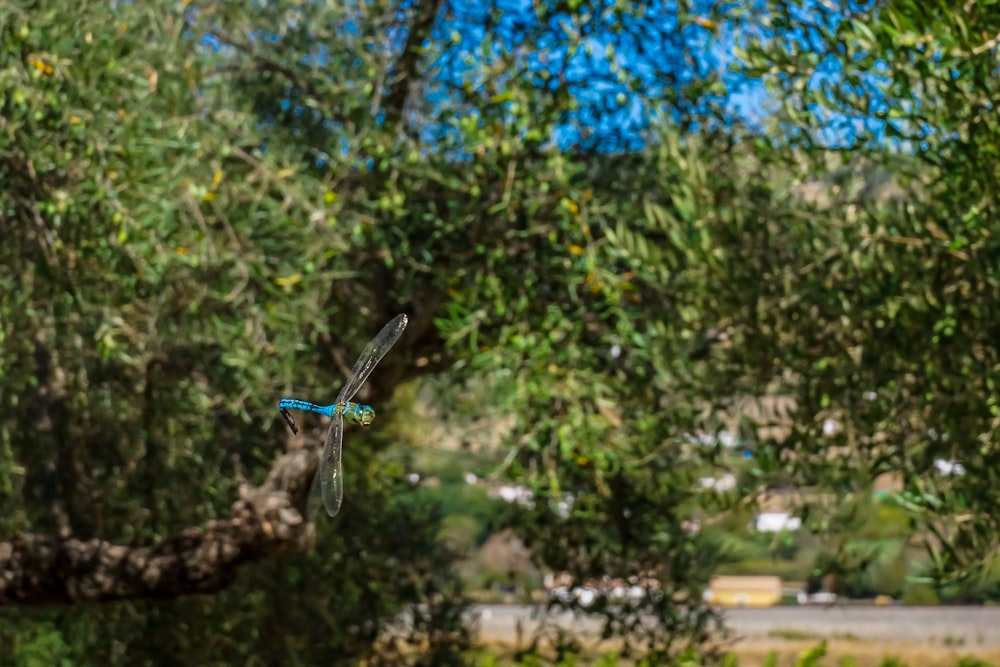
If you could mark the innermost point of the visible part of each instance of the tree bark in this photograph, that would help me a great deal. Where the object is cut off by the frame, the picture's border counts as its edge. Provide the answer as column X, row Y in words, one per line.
column 38, row 569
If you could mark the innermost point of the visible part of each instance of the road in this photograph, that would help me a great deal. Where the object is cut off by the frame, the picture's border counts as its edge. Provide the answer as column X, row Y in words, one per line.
column 967, row 626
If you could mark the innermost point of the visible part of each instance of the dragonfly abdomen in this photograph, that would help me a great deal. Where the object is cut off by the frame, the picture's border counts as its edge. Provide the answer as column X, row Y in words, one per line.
column 296, row 404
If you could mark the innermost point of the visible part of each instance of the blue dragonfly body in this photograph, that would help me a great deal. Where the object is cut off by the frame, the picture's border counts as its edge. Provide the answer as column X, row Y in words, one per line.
column 329, row 479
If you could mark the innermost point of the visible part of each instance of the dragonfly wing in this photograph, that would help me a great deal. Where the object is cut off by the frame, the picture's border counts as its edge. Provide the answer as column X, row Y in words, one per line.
column 315, row 496
column 370, row 356
column 330, row 475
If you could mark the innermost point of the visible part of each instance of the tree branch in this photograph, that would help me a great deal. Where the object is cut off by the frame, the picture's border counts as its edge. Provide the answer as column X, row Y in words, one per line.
column 40, row 569
column 425, row 12
column 266, row 64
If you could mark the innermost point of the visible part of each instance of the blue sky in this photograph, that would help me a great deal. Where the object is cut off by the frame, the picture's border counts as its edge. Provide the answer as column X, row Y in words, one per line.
column 623, row 66
column 621, row 69
column 657, row 54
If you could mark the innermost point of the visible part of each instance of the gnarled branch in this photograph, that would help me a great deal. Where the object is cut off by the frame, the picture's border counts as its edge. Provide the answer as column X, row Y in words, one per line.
column 269, row 519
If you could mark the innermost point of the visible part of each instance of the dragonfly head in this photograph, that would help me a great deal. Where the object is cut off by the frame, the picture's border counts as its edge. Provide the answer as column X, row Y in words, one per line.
column 365, row 415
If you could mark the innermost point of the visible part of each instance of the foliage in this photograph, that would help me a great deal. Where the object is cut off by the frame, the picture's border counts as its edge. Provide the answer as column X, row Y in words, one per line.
column 920, row 594
column 195, row 229
column 203, row 209
column 150, row 318
column 885, row 310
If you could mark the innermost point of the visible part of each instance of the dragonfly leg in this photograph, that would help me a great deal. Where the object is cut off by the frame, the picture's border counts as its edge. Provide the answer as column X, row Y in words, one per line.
column 289, row 420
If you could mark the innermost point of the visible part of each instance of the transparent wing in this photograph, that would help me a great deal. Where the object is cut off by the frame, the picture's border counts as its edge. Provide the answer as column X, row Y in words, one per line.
column 370, row 356
column 315, row 500
column 329, row 479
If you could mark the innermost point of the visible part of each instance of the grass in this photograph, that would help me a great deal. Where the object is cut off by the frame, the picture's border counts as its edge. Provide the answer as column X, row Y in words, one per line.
column 774, row 653
column 862, row 653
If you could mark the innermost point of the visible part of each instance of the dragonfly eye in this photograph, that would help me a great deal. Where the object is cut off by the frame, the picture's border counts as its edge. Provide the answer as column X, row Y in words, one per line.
column 365, row 415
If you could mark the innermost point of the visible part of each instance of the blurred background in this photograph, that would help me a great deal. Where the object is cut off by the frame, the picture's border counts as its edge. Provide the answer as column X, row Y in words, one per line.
column 704, row 310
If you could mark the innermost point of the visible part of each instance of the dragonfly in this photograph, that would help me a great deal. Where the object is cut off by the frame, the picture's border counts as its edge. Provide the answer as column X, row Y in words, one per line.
column 329, row 479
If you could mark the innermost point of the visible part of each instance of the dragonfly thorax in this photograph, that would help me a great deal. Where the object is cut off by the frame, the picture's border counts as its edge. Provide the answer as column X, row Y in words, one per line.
column 359, row 414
